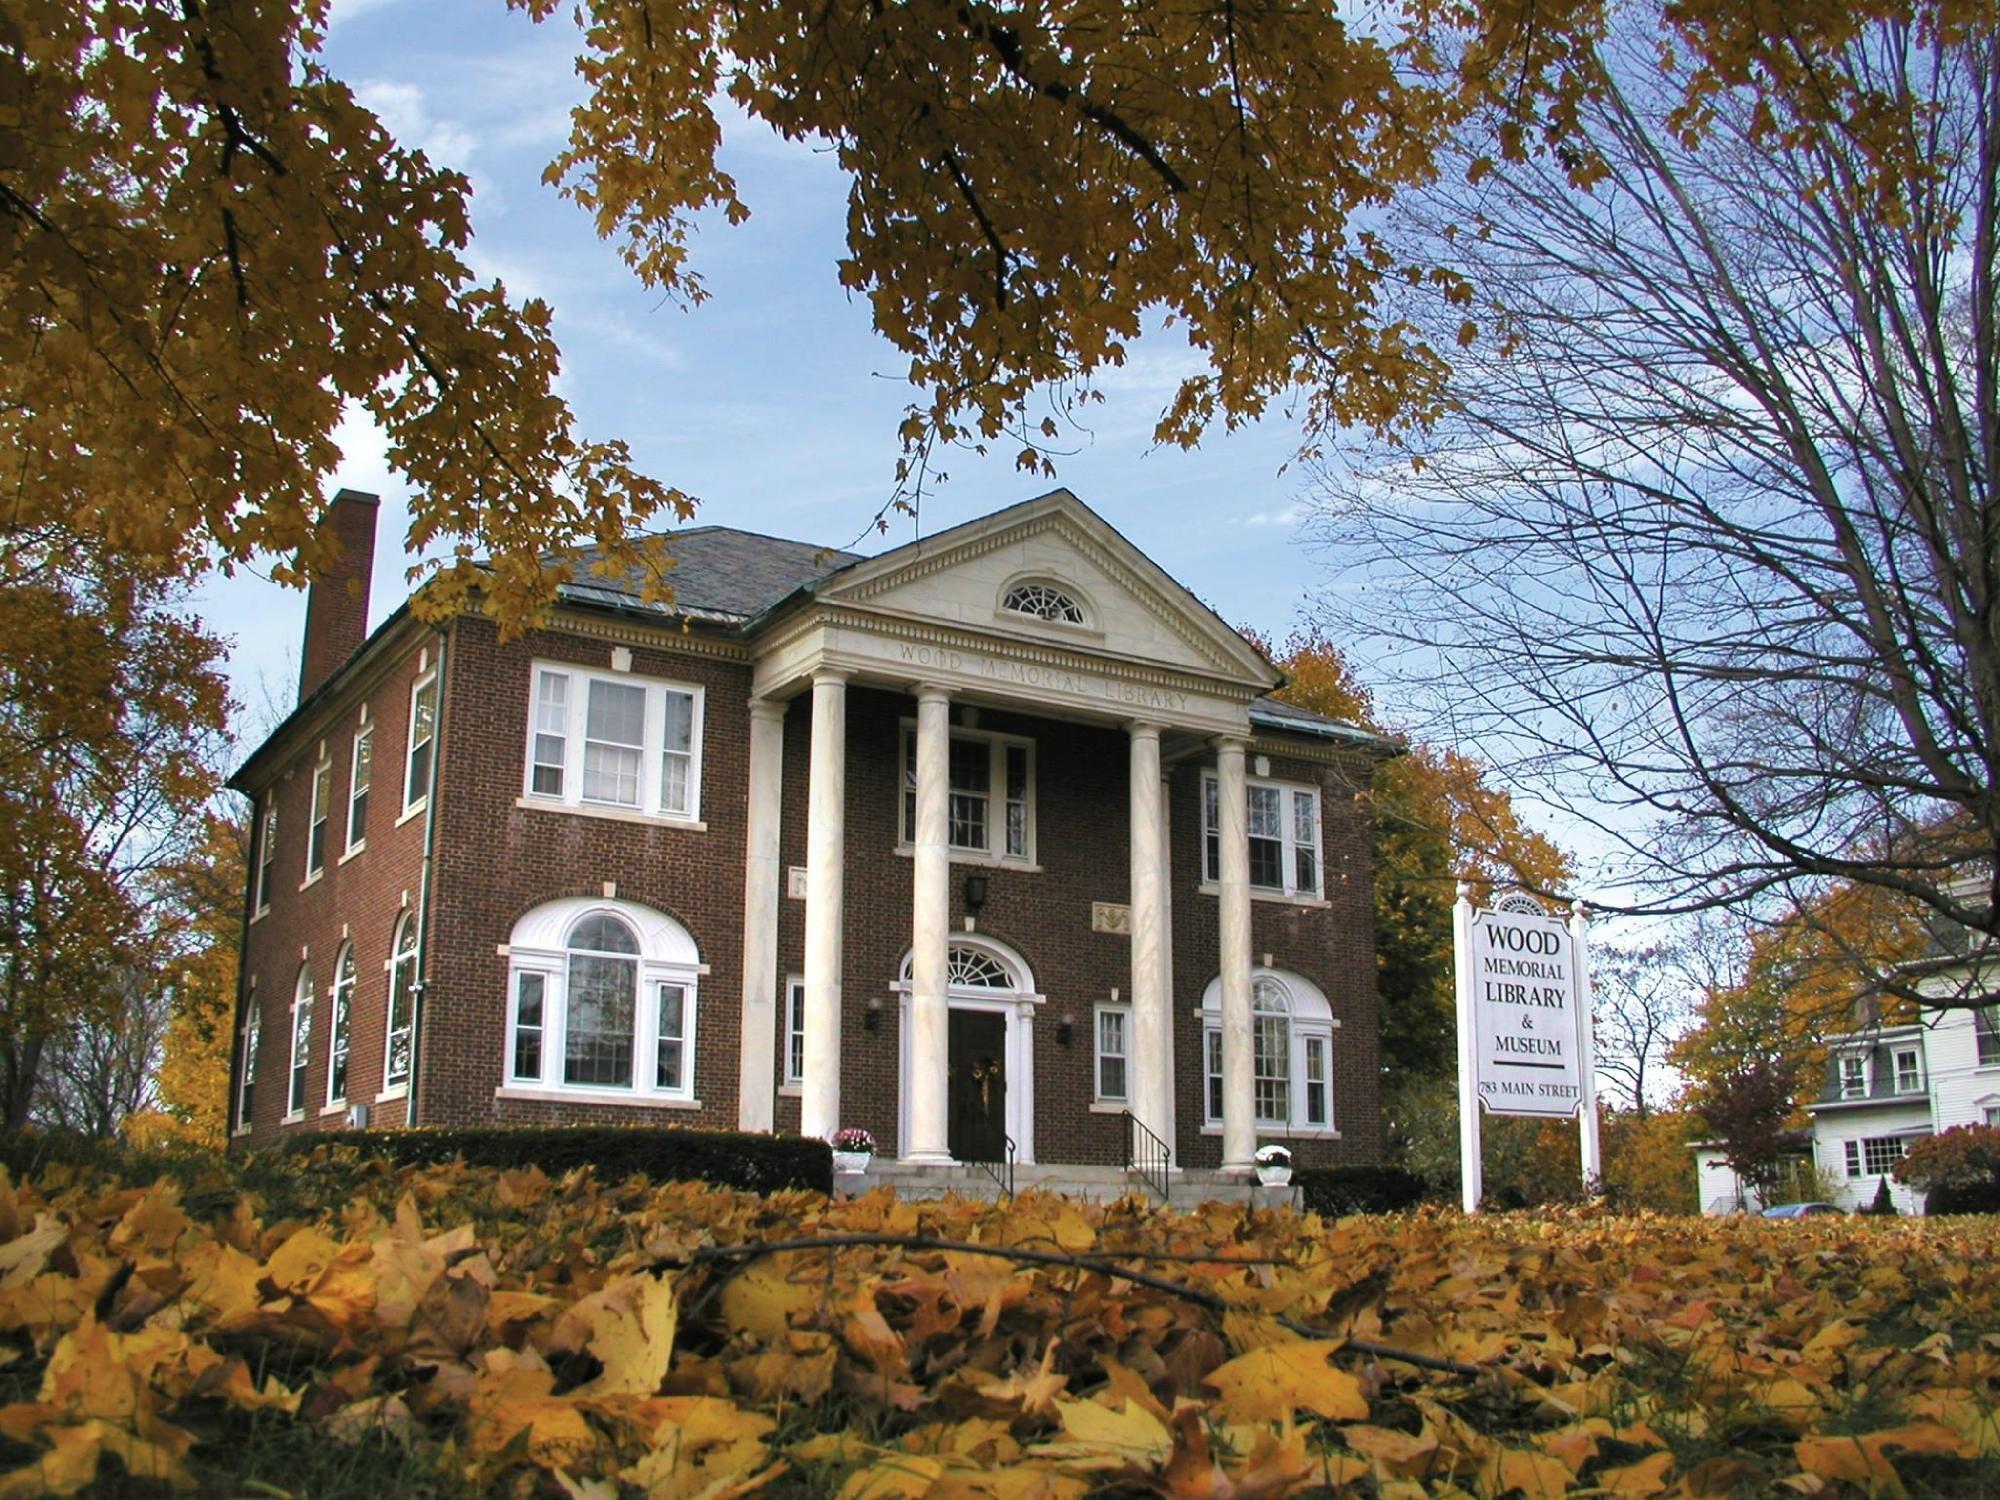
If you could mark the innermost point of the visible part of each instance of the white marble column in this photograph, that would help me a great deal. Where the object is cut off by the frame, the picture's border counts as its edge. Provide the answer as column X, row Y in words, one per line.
column 826, row 852
column 756, row 1087
column 930, row 935
column 1152, row 1020
column 1239, row 1113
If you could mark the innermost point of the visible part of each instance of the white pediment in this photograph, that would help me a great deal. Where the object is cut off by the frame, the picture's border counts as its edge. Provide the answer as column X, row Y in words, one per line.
column 1052, row 546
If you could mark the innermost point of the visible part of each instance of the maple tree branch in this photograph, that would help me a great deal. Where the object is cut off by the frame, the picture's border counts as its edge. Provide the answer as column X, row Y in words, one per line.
column 1006, row 44
column 1106, row 1264
column 1001, row 257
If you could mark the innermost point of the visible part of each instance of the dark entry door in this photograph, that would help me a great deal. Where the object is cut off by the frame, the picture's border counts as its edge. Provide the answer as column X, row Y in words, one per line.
column 976, row 1052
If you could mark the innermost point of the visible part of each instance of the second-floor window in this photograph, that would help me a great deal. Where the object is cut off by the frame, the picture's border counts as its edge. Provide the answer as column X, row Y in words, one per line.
column 1853, row 1076
column 357, row 788
column 990, row 797
column 322, row 797
column 612, row 740
column 1909, row 1071
column 267, row 854
column 423, row 736
column 1284, row 835
column 1986, row 1026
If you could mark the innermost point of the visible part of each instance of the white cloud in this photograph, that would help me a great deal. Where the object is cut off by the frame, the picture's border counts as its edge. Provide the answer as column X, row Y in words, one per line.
column 406, row 113
column 1291, row 515
column 342, row 11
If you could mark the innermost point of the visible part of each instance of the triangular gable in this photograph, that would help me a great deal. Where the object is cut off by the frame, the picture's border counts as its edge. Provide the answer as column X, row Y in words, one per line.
column 1133, row 607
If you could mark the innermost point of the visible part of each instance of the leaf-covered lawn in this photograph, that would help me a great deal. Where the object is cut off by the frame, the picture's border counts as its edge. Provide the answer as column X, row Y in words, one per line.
column 459, row 1331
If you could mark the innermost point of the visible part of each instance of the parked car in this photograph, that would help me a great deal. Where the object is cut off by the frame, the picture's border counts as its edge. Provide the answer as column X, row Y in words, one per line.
column 1801, row 1210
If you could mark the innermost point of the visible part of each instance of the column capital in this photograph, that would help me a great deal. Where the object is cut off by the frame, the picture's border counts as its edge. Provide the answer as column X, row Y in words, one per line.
column 1140, row 729
column 829, row 675
column 931, row 692
column 1227, row 744
column 770, row 710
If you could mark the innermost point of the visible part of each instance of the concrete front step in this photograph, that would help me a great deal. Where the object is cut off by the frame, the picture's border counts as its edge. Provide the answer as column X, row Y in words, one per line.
column 1089, row 1182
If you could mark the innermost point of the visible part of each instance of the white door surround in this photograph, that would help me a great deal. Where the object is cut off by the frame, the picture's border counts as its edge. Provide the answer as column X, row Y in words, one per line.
column 1016, row 1003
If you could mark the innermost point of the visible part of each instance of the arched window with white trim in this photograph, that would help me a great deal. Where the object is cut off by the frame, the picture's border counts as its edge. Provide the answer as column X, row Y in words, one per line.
column 338, row 1035
column 976, row 966
column 601, row 1003
column 402, row 1007
column 302, row 1011
column 1291, row 1030
column 1047, row 600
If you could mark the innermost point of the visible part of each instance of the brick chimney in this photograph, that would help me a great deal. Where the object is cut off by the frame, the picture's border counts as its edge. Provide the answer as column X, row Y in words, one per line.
column 337, row 600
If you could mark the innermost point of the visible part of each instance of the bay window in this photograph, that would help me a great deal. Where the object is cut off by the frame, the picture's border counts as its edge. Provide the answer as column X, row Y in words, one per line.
column 601, row 1004
column 1291, row 1034
column 609, row 740
column 990, row 794
column 1284, row 826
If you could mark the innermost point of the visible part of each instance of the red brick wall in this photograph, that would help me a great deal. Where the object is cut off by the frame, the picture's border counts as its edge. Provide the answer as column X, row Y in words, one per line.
column 364, row 893
column 495, row 861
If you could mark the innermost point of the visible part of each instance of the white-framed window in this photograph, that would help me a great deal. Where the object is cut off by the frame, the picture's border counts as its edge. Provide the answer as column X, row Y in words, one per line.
column 1909, row 1071
column 339, row 1031
column 1854, row 1075
column 1284, row 835
column 423, row 740
column 267, row 853
column 246, row 1086
column 602, row 1002
column 795, row 1031
column 1114, row 1052
column 1990, row 1116
column 612, row 740
column 990, row 800
column 1045, row 599
column 322, row 810
column 402, row 1006
column 1291, row 1032
column 1986, row 1028
column 360, row 771
column 302, row 1011
column 1875, row 1157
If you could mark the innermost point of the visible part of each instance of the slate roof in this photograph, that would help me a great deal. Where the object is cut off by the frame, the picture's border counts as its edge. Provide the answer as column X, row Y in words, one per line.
column 731, row 576
column 719, row 573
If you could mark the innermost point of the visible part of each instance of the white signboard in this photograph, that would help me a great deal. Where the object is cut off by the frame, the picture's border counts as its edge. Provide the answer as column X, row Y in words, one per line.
column 1523, row 1025
column 1527, row 1042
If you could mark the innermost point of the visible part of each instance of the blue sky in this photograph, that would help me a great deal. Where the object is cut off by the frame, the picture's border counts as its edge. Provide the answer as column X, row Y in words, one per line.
column 774, row 402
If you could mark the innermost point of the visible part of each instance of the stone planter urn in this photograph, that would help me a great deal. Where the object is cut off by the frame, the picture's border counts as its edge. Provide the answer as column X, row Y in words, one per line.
column 1279, row 1174
column 850, row 1163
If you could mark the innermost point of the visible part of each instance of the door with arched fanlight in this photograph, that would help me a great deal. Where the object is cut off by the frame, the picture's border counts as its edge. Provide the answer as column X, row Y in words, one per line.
column 989, row 1099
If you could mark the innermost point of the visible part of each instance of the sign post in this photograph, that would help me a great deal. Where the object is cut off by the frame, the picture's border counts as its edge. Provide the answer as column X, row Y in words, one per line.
column 1524, row 1044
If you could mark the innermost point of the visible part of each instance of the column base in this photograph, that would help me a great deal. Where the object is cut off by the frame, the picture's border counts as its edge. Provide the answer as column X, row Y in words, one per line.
column 929, row 1159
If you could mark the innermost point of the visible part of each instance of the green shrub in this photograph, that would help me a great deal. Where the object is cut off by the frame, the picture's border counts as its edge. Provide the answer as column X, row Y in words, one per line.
column 726, row 1158
column 1884, row 1206
column 1334, row 1191
column 1964, row 1198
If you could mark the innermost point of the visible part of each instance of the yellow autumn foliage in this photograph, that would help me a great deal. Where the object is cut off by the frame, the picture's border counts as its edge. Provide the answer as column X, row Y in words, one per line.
column 516, row 1334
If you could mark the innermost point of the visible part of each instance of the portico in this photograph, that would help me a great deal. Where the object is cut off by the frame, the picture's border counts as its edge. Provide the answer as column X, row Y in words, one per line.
column 1041, row 611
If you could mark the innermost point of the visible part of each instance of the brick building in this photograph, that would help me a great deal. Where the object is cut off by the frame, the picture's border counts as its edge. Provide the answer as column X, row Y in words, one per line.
column 992, row 842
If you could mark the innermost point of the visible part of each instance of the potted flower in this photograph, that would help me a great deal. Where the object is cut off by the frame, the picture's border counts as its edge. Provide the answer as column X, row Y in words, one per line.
column 1274, row 1166
column 852, row 1146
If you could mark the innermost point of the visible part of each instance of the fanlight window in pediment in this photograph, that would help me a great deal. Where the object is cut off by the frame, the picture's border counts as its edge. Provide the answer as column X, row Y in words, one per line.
column 1044, row 601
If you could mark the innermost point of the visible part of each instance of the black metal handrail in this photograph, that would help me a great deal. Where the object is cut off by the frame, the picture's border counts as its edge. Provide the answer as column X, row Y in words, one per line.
column 1002, row 1172
column 1147, row 1155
